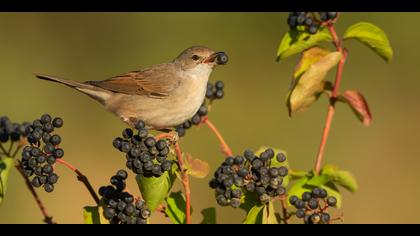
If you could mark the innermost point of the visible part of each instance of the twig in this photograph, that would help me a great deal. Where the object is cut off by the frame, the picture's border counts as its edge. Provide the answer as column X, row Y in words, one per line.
column 185, row 183
column 184, row 176
column 11, row 147
column 286, row 216
column 224, row 147
column 4, row 150
column 47, row 219
column 82, row 178
column 16, row 151
column 20, row 145
column 333, row 98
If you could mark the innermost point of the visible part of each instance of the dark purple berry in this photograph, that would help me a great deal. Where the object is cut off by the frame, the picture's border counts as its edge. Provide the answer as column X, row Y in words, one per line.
column 48, row 188
column 127, row 133
column 58, row 122
column 45, row 119
column 332, row 201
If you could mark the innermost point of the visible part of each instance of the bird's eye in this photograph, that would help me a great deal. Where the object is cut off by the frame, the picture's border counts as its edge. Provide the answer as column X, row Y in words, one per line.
column 195, row 57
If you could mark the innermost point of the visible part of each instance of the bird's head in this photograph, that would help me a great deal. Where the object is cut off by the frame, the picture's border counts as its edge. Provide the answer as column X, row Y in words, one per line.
column 200, row 57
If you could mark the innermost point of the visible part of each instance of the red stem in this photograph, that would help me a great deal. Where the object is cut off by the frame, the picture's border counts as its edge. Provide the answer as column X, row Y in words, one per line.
column 66, row 164
column 82, row 178
column 47, row 219
column 185, row 182
column 336, row 39
column 224, row 147
column 333, row 98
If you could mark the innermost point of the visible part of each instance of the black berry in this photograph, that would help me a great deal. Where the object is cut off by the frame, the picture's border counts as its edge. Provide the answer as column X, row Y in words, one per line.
column 39, row 157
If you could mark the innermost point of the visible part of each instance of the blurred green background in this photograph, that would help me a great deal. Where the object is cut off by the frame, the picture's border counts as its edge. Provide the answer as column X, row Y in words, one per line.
column 95, row 46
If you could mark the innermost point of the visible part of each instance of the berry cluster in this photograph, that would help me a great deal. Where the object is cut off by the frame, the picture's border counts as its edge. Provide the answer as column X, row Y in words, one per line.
column 145, row 155
column 12, row 131
column 310, row 21
column 214, row 92
column 313, row 206
column 249, row 173
column 120, row 206
column 39, row 157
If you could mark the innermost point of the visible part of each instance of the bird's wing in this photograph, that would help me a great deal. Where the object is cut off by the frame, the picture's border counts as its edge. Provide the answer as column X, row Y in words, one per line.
column 157, row 81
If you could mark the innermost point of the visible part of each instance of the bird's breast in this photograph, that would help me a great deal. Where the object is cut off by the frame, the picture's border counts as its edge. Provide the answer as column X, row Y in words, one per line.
column 167, row 112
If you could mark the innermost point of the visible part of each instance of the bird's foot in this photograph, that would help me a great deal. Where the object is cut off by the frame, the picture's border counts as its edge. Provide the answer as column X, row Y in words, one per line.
column 203, row 120
column 131, row 121
column 172, row 136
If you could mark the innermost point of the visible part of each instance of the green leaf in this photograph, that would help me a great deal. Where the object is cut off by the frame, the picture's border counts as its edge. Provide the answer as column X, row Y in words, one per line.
column 347, row 180
column 209, row 215
column 255, row 215
column 249, row 200
column 372, row 36
column 93, row 215
column 297, row 174
column 311, row 84
column 251, row 204
column 340, row 177
column 358, row 104
column 318, row 180
column 269, row 214
column 175, row 208
column 295, row 41
column 5, row 166
column 298, row 188
column 155, row 190
column 278, row 217
column 275, row 163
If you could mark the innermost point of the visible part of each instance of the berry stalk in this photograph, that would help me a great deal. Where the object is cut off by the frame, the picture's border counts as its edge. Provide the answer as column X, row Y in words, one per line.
column 333, row 98
column 82, row 178
column 21, row 144
column 185, row 183
column 3, row 150
column 11, row 147
column 47, row 219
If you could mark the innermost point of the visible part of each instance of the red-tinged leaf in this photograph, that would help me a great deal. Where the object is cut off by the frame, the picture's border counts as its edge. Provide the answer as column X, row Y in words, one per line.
column 358, row 104
column 197, row 168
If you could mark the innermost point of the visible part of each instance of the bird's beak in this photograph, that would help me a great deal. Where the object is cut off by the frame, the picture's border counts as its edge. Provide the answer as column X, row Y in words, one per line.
column 219, row 58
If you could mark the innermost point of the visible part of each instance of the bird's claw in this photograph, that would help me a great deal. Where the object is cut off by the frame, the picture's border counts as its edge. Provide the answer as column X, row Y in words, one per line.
column 171, row 136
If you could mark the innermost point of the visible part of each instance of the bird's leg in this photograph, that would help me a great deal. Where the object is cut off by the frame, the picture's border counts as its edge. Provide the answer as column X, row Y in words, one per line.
column 170, row 135
column 203, row 120
column 131, row 121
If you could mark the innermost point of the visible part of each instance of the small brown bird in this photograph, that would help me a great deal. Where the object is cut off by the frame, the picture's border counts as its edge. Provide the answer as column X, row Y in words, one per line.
column 163, row 96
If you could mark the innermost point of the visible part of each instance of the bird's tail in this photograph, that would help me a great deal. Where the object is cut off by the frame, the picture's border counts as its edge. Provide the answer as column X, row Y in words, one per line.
column 67, row 82
column 93, row 91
